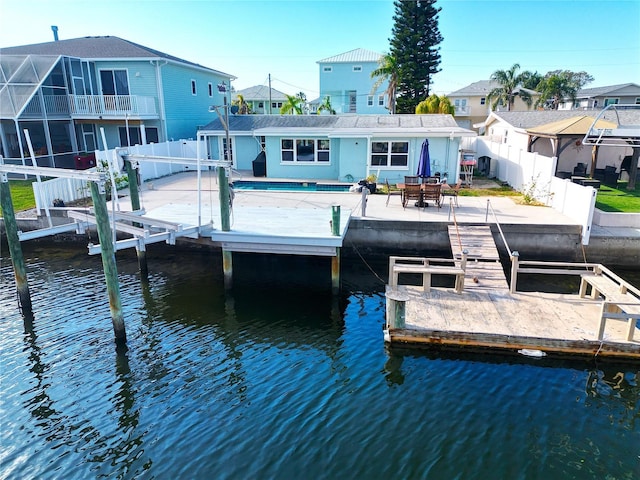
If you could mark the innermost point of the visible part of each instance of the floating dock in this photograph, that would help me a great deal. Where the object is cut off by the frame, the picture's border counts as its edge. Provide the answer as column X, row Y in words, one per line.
column 487, row 314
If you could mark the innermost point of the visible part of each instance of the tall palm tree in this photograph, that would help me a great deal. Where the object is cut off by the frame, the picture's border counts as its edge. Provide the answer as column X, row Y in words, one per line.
column 325, row 106
column 511, row 82
column 435, row 104
column 292, row 105
column 387, row 71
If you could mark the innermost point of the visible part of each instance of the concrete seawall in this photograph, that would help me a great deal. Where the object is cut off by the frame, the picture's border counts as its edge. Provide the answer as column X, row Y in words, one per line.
column 389, row 237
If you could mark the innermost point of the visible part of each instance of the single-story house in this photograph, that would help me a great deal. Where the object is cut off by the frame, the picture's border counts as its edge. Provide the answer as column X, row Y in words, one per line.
column 560, row 133
column 344, row 148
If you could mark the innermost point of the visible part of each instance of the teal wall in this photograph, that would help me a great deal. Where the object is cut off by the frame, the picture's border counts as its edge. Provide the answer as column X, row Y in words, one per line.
column 184, row 112
column 342, row 79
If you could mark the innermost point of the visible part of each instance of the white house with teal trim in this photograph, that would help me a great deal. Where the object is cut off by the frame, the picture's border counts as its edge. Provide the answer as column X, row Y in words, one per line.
column 346, row 80
column 344, row 148
column 67, row 92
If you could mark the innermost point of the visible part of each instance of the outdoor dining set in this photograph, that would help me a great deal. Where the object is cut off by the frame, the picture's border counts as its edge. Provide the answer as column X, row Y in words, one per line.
column 423, row 190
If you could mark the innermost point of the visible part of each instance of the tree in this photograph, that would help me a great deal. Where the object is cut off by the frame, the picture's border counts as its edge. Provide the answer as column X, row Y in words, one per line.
column 511, row 84
column 243, row 107
column 325, row 106
column 435, row 104
column 414, row 45
column 387, row 71
column 558, row 85
column 292, row 105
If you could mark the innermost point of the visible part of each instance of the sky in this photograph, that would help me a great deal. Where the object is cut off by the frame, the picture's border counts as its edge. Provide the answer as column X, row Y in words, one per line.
column 285, row 39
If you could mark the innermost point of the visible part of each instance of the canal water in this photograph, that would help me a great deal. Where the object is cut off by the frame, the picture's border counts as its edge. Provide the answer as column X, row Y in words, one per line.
column 278, row 380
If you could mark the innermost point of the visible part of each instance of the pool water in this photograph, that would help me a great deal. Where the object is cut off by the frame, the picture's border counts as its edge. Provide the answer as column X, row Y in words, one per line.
column 290, row 186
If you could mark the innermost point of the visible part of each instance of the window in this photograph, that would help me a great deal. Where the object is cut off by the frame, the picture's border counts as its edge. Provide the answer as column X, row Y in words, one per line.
column 389, row 154
column 135, row 136
column 483, row 101
column 637, row 100
column 114, row 82
column 227, row 155
column 263, row 143
column 193, row 87
column 276, row 104
column 357, row 68
column 260, row 104
column 370, row 100
column 210, row 86
column 611, row 101
column 305, row 150
column 381, row 100
column 353, row 98
column 327, row 69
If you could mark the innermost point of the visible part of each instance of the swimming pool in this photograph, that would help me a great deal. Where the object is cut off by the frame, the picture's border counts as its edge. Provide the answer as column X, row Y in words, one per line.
column 290, row 186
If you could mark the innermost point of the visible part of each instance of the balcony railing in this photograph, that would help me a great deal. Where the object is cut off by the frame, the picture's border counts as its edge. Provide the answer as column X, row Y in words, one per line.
column 90, row 106
column 117, row 106
column 462, row 111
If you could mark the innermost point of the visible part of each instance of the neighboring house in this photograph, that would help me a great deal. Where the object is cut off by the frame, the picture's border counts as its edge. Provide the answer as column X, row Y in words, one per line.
column 346, row 80
column 67, row 92
column 339, row 147
column 261, row 100
column 600, row 97
column 558, row 133
column 472, row 103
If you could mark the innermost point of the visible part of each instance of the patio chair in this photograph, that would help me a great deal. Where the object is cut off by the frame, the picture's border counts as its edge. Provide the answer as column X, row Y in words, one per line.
column 412, row 191
column 452, row 191
column 411, row 179
column 389, row 192
column 431, row 191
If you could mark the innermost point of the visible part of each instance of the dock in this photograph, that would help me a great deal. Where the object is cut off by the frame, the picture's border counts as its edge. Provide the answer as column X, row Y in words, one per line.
column 487, row 314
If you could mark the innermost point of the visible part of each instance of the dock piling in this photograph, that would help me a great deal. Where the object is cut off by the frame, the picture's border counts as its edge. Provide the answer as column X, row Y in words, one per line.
column 15, row 249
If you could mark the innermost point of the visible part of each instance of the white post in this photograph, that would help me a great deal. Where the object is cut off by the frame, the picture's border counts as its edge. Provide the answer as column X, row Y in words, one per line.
column 43, row 202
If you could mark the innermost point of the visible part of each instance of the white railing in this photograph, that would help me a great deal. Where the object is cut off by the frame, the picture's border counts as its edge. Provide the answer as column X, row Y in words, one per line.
column 65, row 189
column 111, row 105
column 534, row 174
column 461, row 111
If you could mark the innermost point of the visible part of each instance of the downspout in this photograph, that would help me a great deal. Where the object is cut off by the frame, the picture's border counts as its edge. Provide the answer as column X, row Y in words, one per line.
column 163, row 121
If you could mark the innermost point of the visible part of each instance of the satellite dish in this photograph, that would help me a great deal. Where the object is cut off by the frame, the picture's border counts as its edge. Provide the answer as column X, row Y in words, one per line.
column 234, row 109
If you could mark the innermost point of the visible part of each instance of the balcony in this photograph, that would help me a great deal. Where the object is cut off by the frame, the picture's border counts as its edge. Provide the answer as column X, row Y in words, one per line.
column 112, row 106
column 462, row 111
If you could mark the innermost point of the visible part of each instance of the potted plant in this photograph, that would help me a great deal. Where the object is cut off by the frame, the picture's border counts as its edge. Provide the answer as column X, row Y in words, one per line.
column 371, row 182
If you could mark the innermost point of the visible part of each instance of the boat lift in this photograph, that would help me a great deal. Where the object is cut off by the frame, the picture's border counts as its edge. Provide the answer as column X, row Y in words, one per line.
column 625, row 134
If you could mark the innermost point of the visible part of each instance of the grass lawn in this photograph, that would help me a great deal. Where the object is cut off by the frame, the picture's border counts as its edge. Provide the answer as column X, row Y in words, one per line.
column 22, row 195
column 618, row 199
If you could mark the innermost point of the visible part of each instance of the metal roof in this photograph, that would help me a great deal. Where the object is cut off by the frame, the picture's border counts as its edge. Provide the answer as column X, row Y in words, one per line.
column 260, row 92
column 354, row 56
column 345, row 125
column 578, row 125
column 105, row 47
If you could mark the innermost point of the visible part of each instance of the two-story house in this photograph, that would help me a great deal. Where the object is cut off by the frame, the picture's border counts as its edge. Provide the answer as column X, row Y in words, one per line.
column 262, row 100
column 79, row 94
column 472, row 103
column 600, row 97
column 346, row 80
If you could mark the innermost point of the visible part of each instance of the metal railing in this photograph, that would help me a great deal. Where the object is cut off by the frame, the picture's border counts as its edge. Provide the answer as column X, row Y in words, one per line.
column 111, row 105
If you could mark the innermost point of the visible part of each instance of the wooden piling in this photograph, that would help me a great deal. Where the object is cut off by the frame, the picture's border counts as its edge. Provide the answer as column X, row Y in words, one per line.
column 223, row 184
column 227, row 268
column 109, row 262
column 335, row 272
column 134, row 192
column 15, row 249
column 396, row 308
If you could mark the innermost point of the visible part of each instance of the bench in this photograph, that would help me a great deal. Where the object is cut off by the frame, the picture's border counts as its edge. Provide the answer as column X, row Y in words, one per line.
column 617, row 303
column 426, row 270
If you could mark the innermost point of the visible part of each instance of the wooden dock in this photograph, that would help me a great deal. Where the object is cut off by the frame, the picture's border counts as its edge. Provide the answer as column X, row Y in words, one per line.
column 485, row 315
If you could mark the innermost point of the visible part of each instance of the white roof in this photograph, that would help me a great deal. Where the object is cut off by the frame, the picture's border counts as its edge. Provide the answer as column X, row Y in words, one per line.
column 354, row 56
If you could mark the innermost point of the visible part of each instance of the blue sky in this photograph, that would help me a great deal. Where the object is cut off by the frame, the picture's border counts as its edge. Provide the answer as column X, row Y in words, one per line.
column 252, row 39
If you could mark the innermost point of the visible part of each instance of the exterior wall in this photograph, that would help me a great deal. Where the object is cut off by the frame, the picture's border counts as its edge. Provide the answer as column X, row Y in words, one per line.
column 140, row 75
column 184, row 112
column 342, row 79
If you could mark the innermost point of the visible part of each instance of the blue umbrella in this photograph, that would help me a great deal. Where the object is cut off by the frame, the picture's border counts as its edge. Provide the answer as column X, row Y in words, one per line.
column 424, row 163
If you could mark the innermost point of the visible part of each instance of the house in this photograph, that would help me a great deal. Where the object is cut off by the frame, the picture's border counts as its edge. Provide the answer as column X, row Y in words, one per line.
column 600, row 97
column 559, row 133
column 76, row 95
column 472, row 103
column 262, row 100
column 346, row 80
column 339, row 147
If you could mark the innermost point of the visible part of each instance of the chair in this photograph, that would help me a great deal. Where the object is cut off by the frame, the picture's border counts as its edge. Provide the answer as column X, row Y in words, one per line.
column 412, row 191
column 411, row 179
column 580, row 170
column 431, row 191
column 389, row 192
column 452, row 191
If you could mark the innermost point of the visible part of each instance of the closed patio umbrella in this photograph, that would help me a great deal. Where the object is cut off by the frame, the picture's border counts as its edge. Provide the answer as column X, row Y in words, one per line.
column 424, row 163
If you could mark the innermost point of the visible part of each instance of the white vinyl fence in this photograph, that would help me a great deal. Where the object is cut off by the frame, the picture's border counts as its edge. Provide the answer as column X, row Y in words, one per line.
column 69, row 190
column 534, row 174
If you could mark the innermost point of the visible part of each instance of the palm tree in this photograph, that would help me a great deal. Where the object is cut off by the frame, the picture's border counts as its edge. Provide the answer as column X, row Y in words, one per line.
column 387, row 71
column 292, row 105
column 435, row 104
column 326, row 106
column 243, row 107
column 510, row 85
